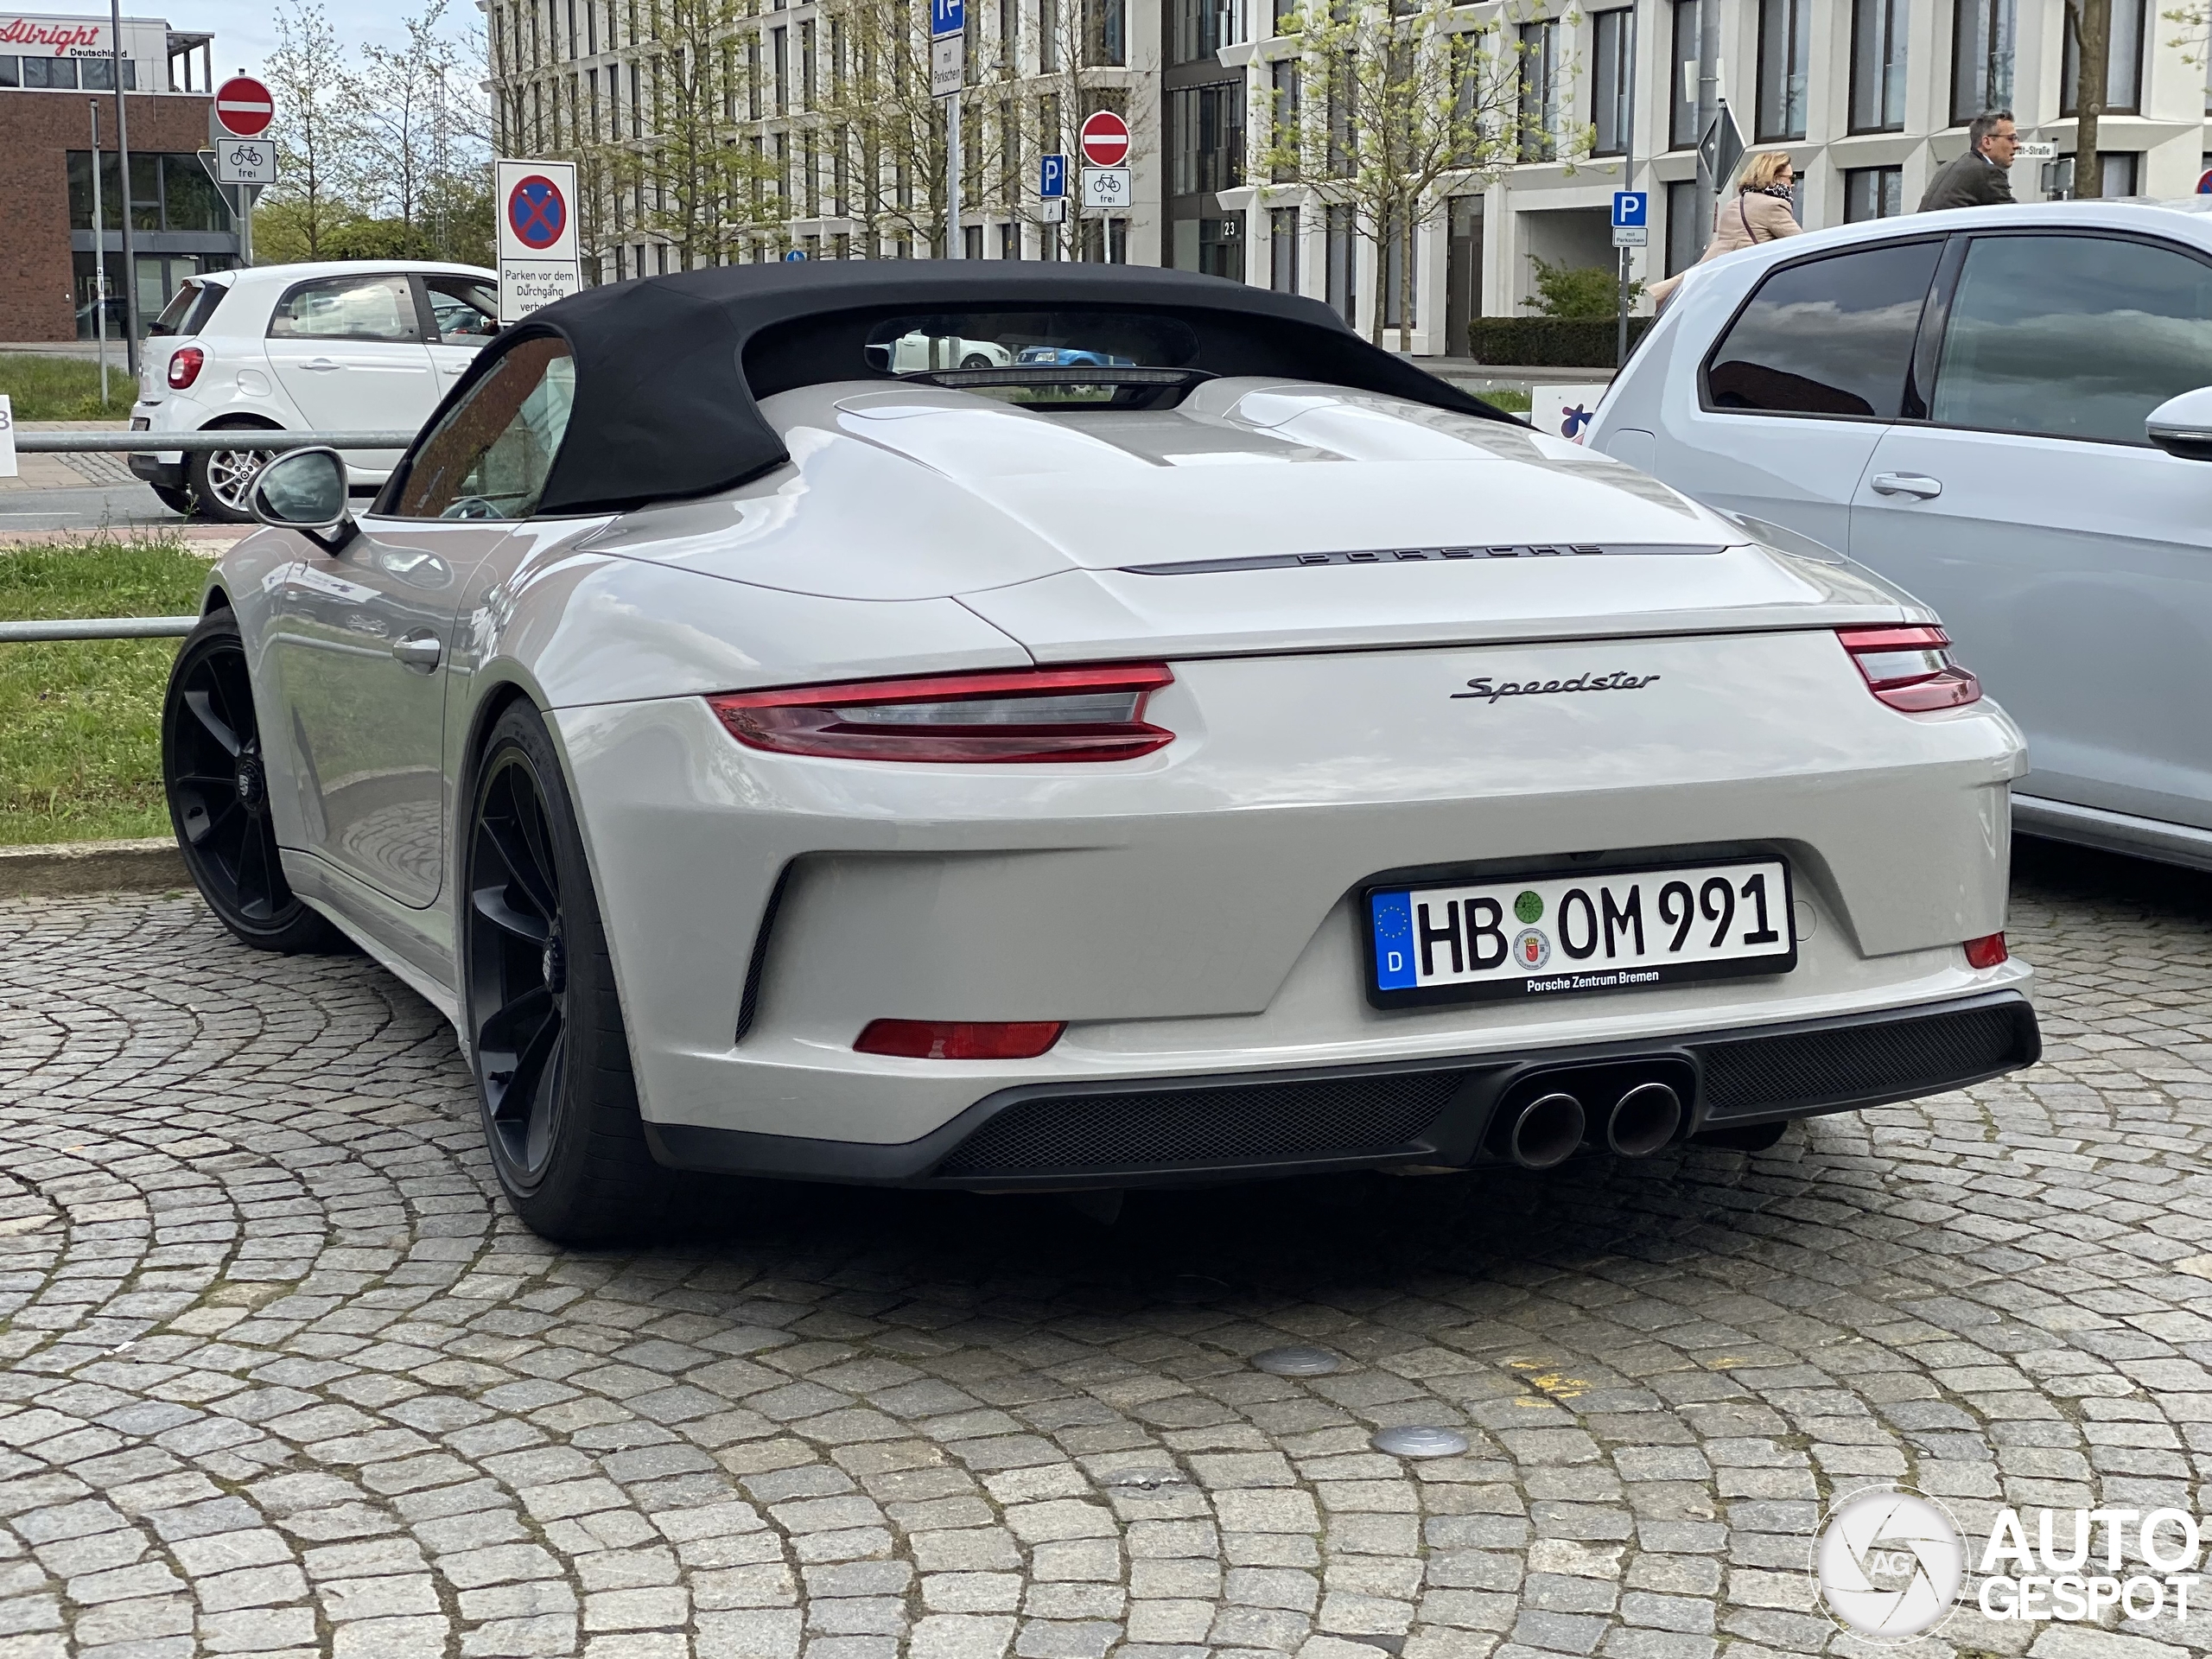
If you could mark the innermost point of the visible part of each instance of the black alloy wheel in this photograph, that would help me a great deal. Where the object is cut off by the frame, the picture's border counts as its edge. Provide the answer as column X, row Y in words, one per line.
column 217, row 779
column 552, row 1059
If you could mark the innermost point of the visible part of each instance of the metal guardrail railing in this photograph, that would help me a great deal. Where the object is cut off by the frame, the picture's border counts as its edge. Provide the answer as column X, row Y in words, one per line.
column 81, row 443
column 78, row 443
column 113, row 627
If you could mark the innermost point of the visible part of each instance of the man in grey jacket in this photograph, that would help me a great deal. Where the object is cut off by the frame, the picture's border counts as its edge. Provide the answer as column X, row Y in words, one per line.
column 1982, row 177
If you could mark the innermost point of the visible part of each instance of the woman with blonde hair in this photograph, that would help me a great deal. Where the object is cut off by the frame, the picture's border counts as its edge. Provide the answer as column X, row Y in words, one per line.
column 1759, row 211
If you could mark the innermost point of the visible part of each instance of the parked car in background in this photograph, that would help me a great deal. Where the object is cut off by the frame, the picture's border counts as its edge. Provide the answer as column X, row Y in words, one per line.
column 1999, row 409
column 358, row 347
column 921, row 350
column 1072, row 357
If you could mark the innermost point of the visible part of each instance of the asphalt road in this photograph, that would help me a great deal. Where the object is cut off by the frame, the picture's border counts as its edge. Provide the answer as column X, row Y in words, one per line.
column 86, row 507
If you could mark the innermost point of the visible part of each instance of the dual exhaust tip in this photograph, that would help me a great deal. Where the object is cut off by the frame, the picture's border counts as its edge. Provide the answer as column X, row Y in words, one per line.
column 1548, row 1129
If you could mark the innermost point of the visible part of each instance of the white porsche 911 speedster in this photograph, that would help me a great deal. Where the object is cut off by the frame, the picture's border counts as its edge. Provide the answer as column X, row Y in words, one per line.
column 1197, row 746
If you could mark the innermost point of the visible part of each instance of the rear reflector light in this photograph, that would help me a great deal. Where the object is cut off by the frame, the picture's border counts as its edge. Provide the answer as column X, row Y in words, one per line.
column 1989, row 953
column 1911, row 668
column 961, row 1040
column 1035, row 713
column 185, row 364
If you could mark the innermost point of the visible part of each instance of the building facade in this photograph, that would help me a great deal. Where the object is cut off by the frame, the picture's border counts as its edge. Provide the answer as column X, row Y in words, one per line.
column 1868, row 97
column 54, row 71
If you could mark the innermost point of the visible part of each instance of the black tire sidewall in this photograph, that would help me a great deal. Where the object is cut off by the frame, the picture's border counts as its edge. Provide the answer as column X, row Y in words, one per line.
column 598, row 1174
column 296, row 926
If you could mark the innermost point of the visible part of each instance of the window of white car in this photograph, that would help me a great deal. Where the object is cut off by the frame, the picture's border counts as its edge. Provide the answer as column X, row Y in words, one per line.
column 2072, row 336
column 348, row 307
column 189, row 309
column 1829, row 336
column 490, row 456
column 466, row 308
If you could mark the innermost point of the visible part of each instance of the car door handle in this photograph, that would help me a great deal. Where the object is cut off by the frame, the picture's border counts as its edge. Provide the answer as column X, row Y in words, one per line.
column 322, row 365
column 1906, row 484
column 418, row 650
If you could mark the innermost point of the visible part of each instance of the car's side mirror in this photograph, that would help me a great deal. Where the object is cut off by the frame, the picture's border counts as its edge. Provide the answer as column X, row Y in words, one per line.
column 2182, row 426
column 305, row 490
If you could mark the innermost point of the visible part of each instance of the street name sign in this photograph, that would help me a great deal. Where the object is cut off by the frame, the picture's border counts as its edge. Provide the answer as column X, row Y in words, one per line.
column 538, row 262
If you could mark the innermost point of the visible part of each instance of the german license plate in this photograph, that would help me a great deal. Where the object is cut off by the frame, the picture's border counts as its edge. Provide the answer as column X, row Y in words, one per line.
column 1569, row 934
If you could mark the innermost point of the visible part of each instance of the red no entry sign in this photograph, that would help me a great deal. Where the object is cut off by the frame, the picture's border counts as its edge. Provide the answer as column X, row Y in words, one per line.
column 243, row 106
column 1105, row 139
column 538, row 211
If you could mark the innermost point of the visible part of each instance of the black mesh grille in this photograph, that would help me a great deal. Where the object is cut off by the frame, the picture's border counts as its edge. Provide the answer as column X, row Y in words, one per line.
column 1807, row 1068
column 1174, row 1128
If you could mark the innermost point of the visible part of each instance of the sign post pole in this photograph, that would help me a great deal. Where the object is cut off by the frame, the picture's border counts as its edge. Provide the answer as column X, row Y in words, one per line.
column 100, row 255
column 123, row 155
column 947, row 73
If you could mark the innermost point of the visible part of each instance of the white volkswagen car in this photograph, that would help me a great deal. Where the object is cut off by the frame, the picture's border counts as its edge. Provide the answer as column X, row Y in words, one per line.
column 2008, row 412
column 364, row 346
column 1250, row 756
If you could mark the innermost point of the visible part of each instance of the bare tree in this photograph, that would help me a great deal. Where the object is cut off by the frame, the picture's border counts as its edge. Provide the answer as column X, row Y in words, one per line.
column 1082, row 68
column 699, row 189
column 1396, row 105
column 878, row 109
column 318, row 158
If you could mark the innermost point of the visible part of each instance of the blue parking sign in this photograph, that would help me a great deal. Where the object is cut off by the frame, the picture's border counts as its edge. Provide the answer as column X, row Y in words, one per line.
column 1631, row 208
column 947, row 17
column 1052, row 176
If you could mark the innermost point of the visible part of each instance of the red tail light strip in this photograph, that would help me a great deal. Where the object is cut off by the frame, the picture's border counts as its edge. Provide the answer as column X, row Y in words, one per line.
column 961, row 1040
column 1910, row 667
column 1988, row 951
column 1000, row 716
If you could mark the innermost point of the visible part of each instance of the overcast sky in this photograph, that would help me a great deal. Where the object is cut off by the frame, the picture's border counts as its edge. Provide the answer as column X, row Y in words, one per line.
column 244, row 35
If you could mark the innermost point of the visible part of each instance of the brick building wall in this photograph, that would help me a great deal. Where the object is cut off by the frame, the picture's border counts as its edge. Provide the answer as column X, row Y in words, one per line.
column 37, row 131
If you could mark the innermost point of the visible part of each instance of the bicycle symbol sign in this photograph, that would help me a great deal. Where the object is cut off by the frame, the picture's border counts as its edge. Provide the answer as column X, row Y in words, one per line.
column 537, row 211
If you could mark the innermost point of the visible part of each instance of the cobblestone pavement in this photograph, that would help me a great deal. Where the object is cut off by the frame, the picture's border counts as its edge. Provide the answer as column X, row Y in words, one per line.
column 281, row 1375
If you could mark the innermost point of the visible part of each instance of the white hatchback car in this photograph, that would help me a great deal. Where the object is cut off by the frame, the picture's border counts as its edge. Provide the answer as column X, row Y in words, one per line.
column 2002, row 410
column 356, row 347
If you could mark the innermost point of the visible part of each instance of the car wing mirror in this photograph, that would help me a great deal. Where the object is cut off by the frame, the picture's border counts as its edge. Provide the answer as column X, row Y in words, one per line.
column 2182, row 426
column 305, row 490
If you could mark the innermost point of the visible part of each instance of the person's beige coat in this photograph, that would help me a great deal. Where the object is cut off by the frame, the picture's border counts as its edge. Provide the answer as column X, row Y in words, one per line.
column 1745, row 220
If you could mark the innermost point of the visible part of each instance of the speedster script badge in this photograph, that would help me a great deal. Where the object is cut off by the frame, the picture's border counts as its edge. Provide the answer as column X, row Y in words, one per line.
column 1490, row 690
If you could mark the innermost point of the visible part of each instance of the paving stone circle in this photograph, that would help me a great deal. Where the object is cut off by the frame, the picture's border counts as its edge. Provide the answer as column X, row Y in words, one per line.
column 277, row 1373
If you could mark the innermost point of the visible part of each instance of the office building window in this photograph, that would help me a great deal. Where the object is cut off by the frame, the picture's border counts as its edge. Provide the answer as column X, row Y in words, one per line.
column 1207, row 140
column 1283, row 72
column 1981, row 59
column 2123, row 66
column 1106, row 42
column 779, row 54
column 1785, row 50
column 1202, row 27
column 1539, row 91
column 168, row 192
column 1612, row 70
column 1872, row 192
column 1685, row 225
column 1283, row 249
column 1221, row 248
column 1877, row 30
column 2117, row 170
column 1682, row 124
column 1342, row 262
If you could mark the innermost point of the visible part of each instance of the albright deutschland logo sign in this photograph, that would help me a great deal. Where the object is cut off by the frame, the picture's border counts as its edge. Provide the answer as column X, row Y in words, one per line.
column 1888, row 1563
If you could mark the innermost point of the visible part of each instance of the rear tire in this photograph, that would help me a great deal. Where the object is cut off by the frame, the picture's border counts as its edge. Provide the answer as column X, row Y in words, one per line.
column 546, row 1037
column 213, row 773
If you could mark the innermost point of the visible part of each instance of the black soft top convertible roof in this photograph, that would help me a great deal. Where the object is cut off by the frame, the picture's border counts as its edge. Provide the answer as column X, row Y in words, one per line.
column 670, row 369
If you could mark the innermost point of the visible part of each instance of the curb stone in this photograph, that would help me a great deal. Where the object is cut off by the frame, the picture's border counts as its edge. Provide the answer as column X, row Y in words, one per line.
column 91, row 867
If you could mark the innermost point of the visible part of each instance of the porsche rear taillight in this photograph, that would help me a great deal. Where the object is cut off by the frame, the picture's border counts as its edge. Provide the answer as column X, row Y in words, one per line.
column 185, row 364
column 1011, row 716
column 1910, row 667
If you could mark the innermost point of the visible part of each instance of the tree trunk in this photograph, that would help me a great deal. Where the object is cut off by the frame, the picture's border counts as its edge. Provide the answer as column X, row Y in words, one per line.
column 2093, row 22
column 1406, row 278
